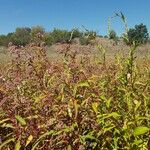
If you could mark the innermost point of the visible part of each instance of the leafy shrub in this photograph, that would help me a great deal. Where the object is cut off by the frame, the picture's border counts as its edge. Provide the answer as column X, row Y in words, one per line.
column 48, row 39
column 84, row 40
column 87, row 37
column 3, row 40
column 60, row 36
column 113, row 36
column 20, row 37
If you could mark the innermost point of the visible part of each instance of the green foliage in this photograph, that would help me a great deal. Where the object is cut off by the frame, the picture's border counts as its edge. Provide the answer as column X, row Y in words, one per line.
column 20, row 120
column 87, row 37
column 5, row 39
column 48, row 39
column 60, row 36
column 84, row 40
column 138, row 35
column 140, row 130
column 21, row 36
column 37, row 35
column 112, row 35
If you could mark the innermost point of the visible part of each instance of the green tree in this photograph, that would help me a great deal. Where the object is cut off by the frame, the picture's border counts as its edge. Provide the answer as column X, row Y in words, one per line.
column 21, row 36
column 61, row 36
column 3, row 40
column 138, row 35
column 112, row 35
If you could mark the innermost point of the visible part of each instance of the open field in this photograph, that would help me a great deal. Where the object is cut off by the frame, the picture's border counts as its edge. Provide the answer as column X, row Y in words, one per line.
column 73, row 97
column 110, row 46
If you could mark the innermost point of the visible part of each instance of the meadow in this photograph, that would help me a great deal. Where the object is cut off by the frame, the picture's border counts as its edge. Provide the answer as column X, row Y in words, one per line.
column 71, row 97
column 75, row 100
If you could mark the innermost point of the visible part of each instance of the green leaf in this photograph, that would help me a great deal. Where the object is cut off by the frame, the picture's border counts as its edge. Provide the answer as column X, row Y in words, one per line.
column 83, row 84
column 70, row 112
column 114, row 115
column 29, row 140
column 95, row 107
column 17, row 146
column 39, row 98
column 20, row 120
column 137, row 142
column 6, row 125
column 69, row 147
column 137, row 105
column 109, row 128
column 140, row 130
column 108, row 102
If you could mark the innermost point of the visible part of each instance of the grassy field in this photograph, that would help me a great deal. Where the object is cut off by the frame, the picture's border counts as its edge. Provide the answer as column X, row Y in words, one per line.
column 110, row 46
column 73, row 97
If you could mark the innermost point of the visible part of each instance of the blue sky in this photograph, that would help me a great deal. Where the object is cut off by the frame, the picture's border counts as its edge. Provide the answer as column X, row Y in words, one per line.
column 67, row 14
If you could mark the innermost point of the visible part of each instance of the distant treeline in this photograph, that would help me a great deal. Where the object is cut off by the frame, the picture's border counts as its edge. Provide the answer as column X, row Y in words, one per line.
column 25, row 35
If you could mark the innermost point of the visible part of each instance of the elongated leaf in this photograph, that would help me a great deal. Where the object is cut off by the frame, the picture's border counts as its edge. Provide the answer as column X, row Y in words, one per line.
column 69, row 147
column 140, row 130
column 17, row 146
column 113, row 114
column 108, row 102
column 70, row 112
column 108, row 129
column 20, row 120
column 137, row 142
column 137, row 105
column 6, row 125
column 29, row 140
column 39, row 98
column 95, row 107
column 76, row 106
column 83, row 84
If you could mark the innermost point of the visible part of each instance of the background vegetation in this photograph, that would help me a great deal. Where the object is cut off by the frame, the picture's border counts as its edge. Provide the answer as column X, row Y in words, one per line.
column 25, row 35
